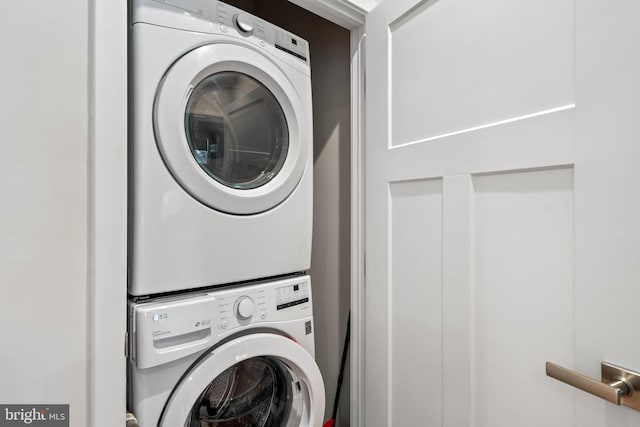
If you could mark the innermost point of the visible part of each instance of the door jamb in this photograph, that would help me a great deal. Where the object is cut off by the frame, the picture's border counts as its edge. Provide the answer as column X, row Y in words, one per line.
column 107, row 214
column 358, row 39
column 107, row 209
column 351, row 16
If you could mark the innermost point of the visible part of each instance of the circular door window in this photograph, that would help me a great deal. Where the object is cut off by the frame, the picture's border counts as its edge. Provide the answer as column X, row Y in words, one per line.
column 236, row 130
column 256, row 392
column 256, row 380
column 232, row 129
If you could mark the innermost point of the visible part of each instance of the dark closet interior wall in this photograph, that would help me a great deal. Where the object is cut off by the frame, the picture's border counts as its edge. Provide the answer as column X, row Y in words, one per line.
column 330, row 263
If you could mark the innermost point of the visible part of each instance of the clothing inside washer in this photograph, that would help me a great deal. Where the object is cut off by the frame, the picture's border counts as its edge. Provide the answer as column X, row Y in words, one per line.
column 253, row 393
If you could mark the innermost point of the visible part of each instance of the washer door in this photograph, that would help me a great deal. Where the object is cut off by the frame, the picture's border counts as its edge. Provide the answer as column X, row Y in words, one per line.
column 258, row 380
column 228, row 124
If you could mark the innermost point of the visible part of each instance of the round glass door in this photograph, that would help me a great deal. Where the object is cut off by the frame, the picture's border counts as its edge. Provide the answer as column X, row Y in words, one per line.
column 256, row 392
column 236, row 130
column 232, row 129
column 274, row 383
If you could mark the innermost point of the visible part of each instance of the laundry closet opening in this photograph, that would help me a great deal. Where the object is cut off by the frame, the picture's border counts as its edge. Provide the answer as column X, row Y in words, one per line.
column 331, row 253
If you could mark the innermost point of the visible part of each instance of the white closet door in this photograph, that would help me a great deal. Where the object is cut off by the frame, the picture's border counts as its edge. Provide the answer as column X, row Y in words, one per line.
column 502, row 209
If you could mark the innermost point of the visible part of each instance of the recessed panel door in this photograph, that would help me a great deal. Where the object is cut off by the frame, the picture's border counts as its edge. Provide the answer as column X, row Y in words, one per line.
column 502, row 210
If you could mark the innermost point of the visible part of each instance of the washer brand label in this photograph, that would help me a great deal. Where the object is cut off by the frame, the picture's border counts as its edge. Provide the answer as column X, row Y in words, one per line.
column 34, row 415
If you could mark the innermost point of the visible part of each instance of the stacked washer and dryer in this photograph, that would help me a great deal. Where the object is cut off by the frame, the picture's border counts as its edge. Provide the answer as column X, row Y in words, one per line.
column 220, row 311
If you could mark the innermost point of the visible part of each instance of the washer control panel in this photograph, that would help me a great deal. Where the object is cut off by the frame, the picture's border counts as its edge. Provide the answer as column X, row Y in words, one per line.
column 277, row 301
column 236, row 310
column 166, row 329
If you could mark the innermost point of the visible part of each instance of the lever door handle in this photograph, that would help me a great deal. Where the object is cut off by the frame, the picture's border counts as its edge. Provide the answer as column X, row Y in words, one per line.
column 618, row 385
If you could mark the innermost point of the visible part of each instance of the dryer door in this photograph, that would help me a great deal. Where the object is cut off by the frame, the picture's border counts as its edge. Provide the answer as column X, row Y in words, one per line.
column 231, row 128
column 258, row 380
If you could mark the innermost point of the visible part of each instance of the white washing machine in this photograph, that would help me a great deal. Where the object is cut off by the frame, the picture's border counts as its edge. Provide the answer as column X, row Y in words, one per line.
column 221, row 147
column 239, row 356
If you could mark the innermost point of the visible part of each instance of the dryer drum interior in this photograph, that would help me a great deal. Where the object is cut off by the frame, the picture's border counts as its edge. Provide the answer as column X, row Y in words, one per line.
column 236, row 130
column 253, row 393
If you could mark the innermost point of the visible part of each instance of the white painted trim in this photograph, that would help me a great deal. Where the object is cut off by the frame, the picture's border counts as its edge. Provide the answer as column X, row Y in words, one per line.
column 357, row 227
column 345, row 13
column 486, row 126
column 352, row 17
column 107, row 213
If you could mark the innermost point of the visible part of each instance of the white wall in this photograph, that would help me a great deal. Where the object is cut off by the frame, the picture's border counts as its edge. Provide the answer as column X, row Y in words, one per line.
column 63, row 211
column 43, row 212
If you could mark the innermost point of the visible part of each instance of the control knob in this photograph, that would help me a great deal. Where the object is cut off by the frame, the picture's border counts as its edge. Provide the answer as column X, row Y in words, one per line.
column 244, row 24
column 244, row 307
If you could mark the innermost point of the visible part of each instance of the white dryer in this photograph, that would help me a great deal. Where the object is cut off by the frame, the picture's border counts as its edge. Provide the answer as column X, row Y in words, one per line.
column 239, row 356
column 221, row 147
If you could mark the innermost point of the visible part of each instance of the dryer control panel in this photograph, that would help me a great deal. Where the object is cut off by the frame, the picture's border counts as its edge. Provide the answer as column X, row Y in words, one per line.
column 266, row 33
column 169, row 328
column 212, row 16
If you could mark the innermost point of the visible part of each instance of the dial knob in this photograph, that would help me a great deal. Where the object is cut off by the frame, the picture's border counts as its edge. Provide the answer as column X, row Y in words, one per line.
column 244, row 24
column 244, row 307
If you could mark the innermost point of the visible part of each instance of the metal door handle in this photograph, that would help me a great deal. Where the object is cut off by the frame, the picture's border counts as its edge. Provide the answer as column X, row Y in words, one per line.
column 618, row 385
